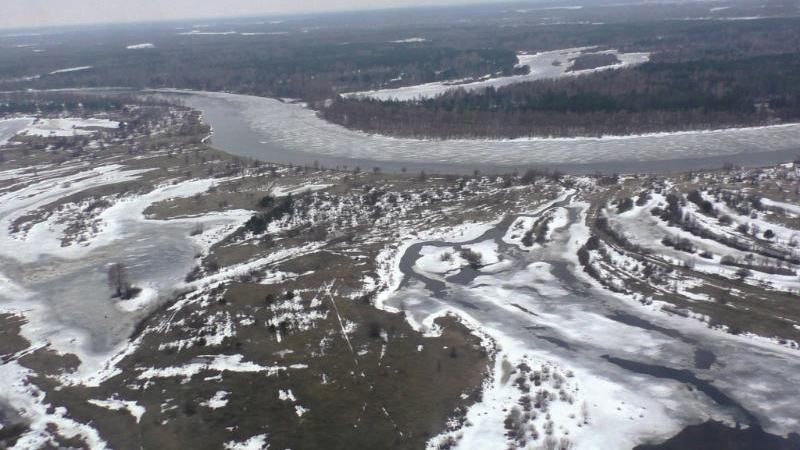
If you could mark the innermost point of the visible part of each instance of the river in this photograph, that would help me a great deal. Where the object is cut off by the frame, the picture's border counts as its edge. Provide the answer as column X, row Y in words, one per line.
column 287, row 132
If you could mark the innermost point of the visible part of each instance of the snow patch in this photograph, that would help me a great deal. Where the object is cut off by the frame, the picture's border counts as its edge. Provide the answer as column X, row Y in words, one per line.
column 540, row 67
column 216, row 363
column 282, row 191
column 258, row 442
column 68, row 126
column 116, row 405
column 219, row 400
column 409, row 40
column 140, row 46
column 71, row 69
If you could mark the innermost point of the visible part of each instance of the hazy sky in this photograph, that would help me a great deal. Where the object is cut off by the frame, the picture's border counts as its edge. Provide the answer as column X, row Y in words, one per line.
column 32, row 13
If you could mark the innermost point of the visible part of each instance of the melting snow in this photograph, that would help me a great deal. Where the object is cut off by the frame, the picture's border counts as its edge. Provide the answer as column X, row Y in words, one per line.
column 281, row 191
column 67, row 127
column 254, row 443
column 219, row 400
column 218, row 363
column 540, row 64
column 286, row 395
column 115, row 405
column 70, row 69
column 140, row 46
column 410, row 40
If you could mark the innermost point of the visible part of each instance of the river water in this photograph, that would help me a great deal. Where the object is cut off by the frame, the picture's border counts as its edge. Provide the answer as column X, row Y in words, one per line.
column 285, row 132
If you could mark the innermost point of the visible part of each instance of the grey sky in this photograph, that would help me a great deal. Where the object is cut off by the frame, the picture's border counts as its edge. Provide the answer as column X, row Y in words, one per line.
column 32, row 13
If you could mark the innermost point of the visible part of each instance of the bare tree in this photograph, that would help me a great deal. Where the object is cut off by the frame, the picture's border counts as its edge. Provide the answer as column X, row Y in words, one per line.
column 474, row 259
column 118, row 280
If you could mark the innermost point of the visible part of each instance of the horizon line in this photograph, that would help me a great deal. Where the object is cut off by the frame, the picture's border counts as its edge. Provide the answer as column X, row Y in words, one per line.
column 333, row 11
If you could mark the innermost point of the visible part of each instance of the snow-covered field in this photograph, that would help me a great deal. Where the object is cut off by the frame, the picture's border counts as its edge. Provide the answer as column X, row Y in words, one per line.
column 68, row 126
column 122, row 233
column 555, row 381
column 540, row 64
column 280, row 191
column 11, row 127
column 294, row 128
column 788, row 207
column 646, row 230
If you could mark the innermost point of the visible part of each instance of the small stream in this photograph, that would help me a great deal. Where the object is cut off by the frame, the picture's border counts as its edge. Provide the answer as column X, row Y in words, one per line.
column 718, row 368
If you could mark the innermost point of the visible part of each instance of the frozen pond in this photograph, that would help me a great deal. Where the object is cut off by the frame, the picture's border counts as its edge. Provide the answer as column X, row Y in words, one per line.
column 75, row 299
column 272, row 130
column 61, row 288
column 642, row 374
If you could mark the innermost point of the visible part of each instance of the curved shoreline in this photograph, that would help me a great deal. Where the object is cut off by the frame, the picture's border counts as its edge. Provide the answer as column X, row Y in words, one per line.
column 293, row 128
column 272, row 130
